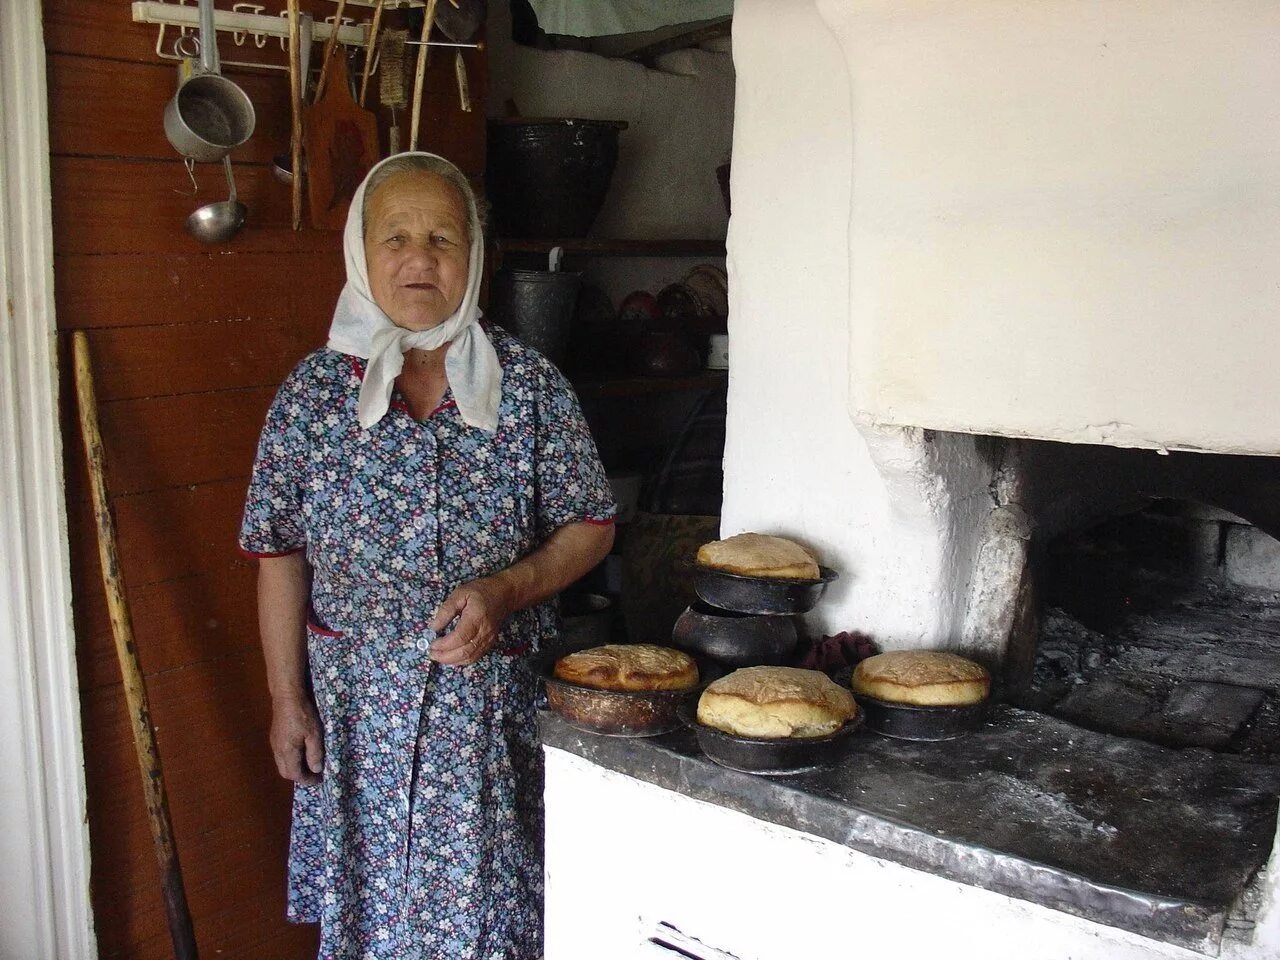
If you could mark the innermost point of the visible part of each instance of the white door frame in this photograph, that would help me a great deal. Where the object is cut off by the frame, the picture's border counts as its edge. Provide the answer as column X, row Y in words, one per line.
column 44, row 842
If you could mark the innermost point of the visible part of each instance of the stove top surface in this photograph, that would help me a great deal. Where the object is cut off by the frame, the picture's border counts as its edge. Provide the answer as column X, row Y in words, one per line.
column 1150, row 839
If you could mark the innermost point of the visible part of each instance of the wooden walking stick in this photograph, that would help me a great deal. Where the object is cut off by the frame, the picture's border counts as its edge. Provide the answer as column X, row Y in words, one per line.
column 135, row 689
column 297, row 84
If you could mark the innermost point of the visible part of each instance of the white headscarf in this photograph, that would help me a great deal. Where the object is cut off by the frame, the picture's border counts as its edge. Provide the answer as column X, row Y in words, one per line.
column 361, row 328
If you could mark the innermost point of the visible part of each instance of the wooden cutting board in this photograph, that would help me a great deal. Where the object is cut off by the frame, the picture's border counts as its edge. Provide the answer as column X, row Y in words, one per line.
column 342, row 144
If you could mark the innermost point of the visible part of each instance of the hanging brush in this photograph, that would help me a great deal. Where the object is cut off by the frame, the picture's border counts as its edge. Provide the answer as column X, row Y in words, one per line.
column 392, row 92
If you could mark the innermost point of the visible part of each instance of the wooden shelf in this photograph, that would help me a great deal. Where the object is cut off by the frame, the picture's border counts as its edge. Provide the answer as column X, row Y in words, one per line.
column 645, row 386
column 604, row 247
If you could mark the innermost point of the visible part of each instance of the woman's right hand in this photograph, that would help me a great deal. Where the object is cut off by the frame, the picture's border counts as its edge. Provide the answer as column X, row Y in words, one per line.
column 297, row 740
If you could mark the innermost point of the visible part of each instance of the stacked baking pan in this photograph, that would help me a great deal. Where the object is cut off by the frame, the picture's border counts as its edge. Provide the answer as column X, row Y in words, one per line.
column 742, row 621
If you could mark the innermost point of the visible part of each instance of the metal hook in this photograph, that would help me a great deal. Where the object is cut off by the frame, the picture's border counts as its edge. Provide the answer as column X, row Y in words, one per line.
column 187, row 46
column 239, row 35
column 190, row 166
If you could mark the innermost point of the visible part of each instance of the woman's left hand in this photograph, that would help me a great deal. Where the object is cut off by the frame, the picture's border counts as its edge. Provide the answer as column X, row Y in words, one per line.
column 481, row 606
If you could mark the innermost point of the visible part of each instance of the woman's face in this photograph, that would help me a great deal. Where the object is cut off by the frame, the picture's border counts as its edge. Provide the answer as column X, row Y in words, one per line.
column 416, row 247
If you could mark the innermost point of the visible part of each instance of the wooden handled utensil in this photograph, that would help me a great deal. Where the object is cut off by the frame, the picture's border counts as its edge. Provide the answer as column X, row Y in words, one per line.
column 329, row 47
column 419, row 77
column 135, row 688
column 369, row 49
column 464, row 89
column 459, row 20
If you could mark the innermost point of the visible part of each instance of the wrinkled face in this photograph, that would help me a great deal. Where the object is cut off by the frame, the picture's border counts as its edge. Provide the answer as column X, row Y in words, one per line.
column 416, row 246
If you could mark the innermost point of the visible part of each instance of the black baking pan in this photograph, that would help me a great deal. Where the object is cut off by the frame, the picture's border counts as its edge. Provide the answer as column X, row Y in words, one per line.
column 616, row 713
column 774, row 758
column 735, row 639
column 906, row 721
column 772, row 595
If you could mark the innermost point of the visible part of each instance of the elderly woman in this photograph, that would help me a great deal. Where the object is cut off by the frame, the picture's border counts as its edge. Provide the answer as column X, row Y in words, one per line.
column 423, row 487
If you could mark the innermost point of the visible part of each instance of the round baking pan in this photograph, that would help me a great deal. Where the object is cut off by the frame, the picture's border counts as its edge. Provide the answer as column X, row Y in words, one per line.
column 771, row 595
column 615, row 713
column 772, row 757
column 735, row 639
column 906, row 721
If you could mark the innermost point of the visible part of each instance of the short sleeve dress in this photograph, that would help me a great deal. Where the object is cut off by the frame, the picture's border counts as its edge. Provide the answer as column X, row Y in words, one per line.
column 424, row 839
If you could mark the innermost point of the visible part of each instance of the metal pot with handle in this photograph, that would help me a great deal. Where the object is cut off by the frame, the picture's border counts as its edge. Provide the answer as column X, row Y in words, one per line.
column 209, row 116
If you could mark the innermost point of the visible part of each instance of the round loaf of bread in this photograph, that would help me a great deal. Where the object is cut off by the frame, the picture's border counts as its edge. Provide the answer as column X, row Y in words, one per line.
column 758, row 555
column 629, row 666
column 775, row 703
column 926, row 678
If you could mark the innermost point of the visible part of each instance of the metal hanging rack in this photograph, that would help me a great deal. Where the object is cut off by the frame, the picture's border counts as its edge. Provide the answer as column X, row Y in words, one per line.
column 246, row 21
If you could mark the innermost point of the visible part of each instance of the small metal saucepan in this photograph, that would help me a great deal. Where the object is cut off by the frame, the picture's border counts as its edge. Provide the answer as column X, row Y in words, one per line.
column 209, row 116
column 773, row 757
column 906, row 721
column 773, row 595
column 616, row 713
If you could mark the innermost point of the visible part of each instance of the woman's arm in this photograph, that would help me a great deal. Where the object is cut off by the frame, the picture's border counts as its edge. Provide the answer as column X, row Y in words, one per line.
column 482, row 605
column 284, row 587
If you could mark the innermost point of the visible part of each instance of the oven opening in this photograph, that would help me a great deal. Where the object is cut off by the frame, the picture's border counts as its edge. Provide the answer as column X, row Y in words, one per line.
column 1163, row 624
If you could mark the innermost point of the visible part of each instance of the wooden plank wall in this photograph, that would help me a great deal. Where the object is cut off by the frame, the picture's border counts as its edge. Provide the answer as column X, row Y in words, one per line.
column 189, row 344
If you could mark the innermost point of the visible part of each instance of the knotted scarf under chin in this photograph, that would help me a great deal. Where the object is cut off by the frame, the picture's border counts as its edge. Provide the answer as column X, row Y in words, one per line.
column 362, row 329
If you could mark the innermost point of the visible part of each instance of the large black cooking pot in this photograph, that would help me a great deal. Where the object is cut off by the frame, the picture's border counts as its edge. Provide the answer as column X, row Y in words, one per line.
column 547, row 178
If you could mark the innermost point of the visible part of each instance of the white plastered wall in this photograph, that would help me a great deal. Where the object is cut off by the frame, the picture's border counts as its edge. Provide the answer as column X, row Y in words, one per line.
column 1066, row 218
column 895, row 511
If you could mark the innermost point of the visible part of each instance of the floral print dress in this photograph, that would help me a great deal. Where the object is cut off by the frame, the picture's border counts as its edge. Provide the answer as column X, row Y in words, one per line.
column 424, row 839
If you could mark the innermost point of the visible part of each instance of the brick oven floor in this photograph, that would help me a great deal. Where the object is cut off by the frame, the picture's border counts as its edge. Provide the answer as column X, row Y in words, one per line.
column 1177, row 663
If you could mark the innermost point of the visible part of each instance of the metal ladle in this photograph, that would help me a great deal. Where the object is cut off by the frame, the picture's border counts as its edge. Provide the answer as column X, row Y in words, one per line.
column 218, row 222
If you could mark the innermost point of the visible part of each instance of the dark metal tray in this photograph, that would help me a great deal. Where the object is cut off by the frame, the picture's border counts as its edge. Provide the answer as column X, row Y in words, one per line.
column 769, row 757
column 906, row 721
column 771, row 595
column 616, row 713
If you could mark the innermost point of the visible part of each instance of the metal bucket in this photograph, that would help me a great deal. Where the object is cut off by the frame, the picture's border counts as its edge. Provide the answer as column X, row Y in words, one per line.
column 537, row 306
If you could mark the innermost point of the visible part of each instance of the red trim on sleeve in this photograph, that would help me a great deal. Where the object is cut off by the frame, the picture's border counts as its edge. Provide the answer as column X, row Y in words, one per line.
column 600, row 522
column 253, row 554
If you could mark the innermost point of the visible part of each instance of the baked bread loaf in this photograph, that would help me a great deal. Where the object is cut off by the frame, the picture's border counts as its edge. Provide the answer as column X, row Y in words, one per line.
column 927, row 678
column 758, row 555
column 775, row 703
column 629, row 666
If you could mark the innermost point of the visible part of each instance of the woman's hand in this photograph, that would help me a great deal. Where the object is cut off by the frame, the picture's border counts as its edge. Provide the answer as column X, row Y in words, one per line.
column 296, row 738
column 481, row 607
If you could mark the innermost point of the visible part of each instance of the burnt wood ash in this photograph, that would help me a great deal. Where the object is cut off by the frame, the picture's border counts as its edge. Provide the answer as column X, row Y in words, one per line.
column 1144, row 638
